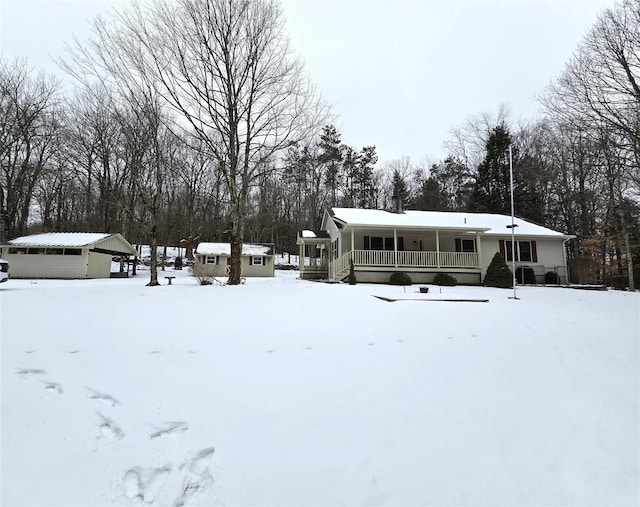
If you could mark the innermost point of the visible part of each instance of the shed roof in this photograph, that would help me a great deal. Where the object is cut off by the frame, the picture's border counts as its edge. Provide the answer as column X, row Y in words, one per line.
column 487, row 223
column 108, row 243
column 60, row 239
column 225, row 249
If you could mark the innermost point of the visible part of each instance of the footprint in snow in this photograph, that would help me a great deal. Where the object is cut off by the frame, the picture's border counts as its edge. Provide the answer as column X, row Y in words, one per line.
column 169, row 428
column 30, row 372
column 197, row 476
column 109, row 429
column 52, row 387
column 107, row 399
column 142, row 485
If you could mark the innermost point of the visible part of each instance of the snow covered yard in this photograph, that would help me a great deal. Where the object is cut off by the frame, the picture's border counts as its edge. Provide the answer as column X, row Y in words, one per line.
column 288, row 392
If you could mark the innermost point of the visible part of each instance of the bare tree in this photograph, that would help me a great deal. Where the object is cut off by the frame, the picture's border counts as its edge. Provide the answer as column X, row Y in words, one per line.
column 28, row 132
column 600, row 85
column 226, row 68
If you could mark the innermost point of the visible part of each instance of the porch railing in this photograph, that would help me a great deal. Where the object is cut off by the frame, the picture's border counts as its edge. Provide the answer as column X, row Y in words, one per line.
column 405, row 259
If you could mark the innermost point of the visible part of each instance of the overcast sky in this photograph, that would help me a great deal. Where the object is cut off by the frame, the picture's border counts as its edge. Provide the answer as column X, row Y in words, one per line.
column 400, row 74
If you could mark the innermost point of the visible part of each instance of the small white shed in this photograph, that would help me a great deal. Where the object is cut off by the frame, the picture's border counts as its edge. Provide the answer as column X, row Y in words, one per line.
column 256, row 261
column 66, row 255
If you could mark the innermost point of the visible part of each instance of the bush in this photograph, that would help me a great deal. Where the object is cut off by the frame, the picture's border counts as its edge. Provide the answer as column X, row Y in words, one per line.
column 498, row 273
column 352, row 273
column 526, row 275
column 551, row 278
column 445, row 279
column 201, row 274
column 400, row 278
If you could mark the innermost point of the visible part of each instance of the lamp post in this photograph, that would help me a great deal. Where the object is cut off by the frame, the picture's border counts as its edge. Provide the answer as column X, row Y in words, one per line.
column 512, row 227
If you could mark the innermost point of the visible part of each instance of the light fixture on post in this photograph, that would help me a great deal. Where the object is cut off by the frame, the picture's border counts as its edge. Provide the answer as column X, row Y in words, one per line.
column 513, row 228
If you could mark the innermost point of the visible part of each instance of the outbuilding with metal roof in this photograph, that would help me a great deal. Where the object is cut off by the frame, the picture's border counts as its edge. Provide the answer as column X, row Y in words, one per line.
column 66, row 255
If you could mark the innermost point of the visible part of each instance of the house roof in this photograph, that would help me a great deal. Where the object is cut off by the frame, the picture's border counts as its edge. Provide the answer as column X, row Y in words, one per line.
column 60, row 239
column 225, row 249
column 487, row 223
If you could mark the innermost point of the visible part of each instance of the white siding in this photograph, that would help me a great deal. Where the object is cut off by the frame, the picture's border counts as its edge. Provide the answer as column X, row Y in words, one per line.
column 47, row 266
column 99, row 265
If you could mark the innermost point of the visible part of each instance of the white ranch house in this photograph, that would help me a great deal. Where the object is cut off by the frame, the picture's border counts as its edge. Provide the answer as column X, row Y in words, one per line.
column 65, row 254
column 256, row 261
column 424, row 243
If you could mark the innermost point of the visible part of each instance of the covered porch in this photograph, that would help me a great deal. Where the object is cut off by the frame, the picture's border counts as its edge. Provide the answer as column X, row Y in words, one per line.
column 421, row 252
column 314, row 256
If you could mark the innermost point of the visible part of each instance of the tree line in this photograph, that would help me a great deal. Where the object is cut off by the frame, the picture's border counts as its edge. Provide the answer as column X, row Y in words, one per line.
column 192, row 121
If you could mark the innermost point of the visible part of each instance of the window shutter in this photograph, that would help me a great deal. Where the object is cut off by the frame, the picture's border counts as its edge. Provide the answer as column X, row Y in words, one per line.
column 534, row 252
column 250, row 260
column 217, row 260
column 264, row 261
column 204, row 259
column 366, row 242
column 475, row 246
column 458, row 245
column 502, row 249
column 401, row 244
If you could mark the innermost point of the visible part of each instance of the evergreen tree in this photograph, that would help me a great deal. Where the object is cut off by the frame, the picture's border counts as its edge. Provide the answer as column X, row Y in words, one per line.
column 498, row 273
column 399, row 187
column 491, row 190
column 331, row 157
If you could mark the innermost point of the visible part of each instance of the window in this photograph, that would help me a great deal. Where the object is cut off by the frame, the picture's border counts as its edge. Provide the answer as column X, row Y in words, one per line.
column 36, row 251
column 382, row 243
column 257, row 261
column 211, row 259
column 465, row 245
column 468, row 245
column 55, row 251
column 73, row 251
column 526, row 251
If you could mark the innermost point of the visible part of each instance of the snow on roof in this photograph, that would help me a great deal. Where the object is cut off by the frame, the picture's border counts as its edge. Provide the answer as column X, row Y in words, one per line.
column 225, row 249
column 488, row 223
column 305, row 233
column 62, row 239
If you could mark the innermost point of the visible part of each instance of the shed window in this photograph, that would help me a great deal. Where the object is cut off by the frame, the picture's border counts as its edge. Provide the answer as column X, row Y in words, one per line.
column 257, row 261
column 72, row 251
column 35, row 251
column 55, row 251
column 212, row 259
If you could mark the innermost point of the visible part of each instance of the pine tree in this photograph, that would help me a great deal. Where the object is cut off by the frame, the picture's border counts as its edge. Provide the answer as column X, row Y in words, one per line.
column 491, row 191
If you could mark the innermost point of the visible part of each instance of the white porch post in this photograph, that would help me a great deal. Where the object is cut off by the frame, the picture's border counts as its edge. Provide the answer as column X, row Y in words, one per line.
column 395, row 246
column 353, row 246
column 301, row 259
column 438, row 248
column 479, row 250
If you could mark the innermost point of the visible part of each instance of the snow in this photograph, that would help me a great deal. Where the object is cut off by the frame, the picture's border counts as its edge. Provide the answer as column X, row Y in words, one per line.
column 489, row 223
column 225, row 249
column 289, row 392
column 62, row 239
